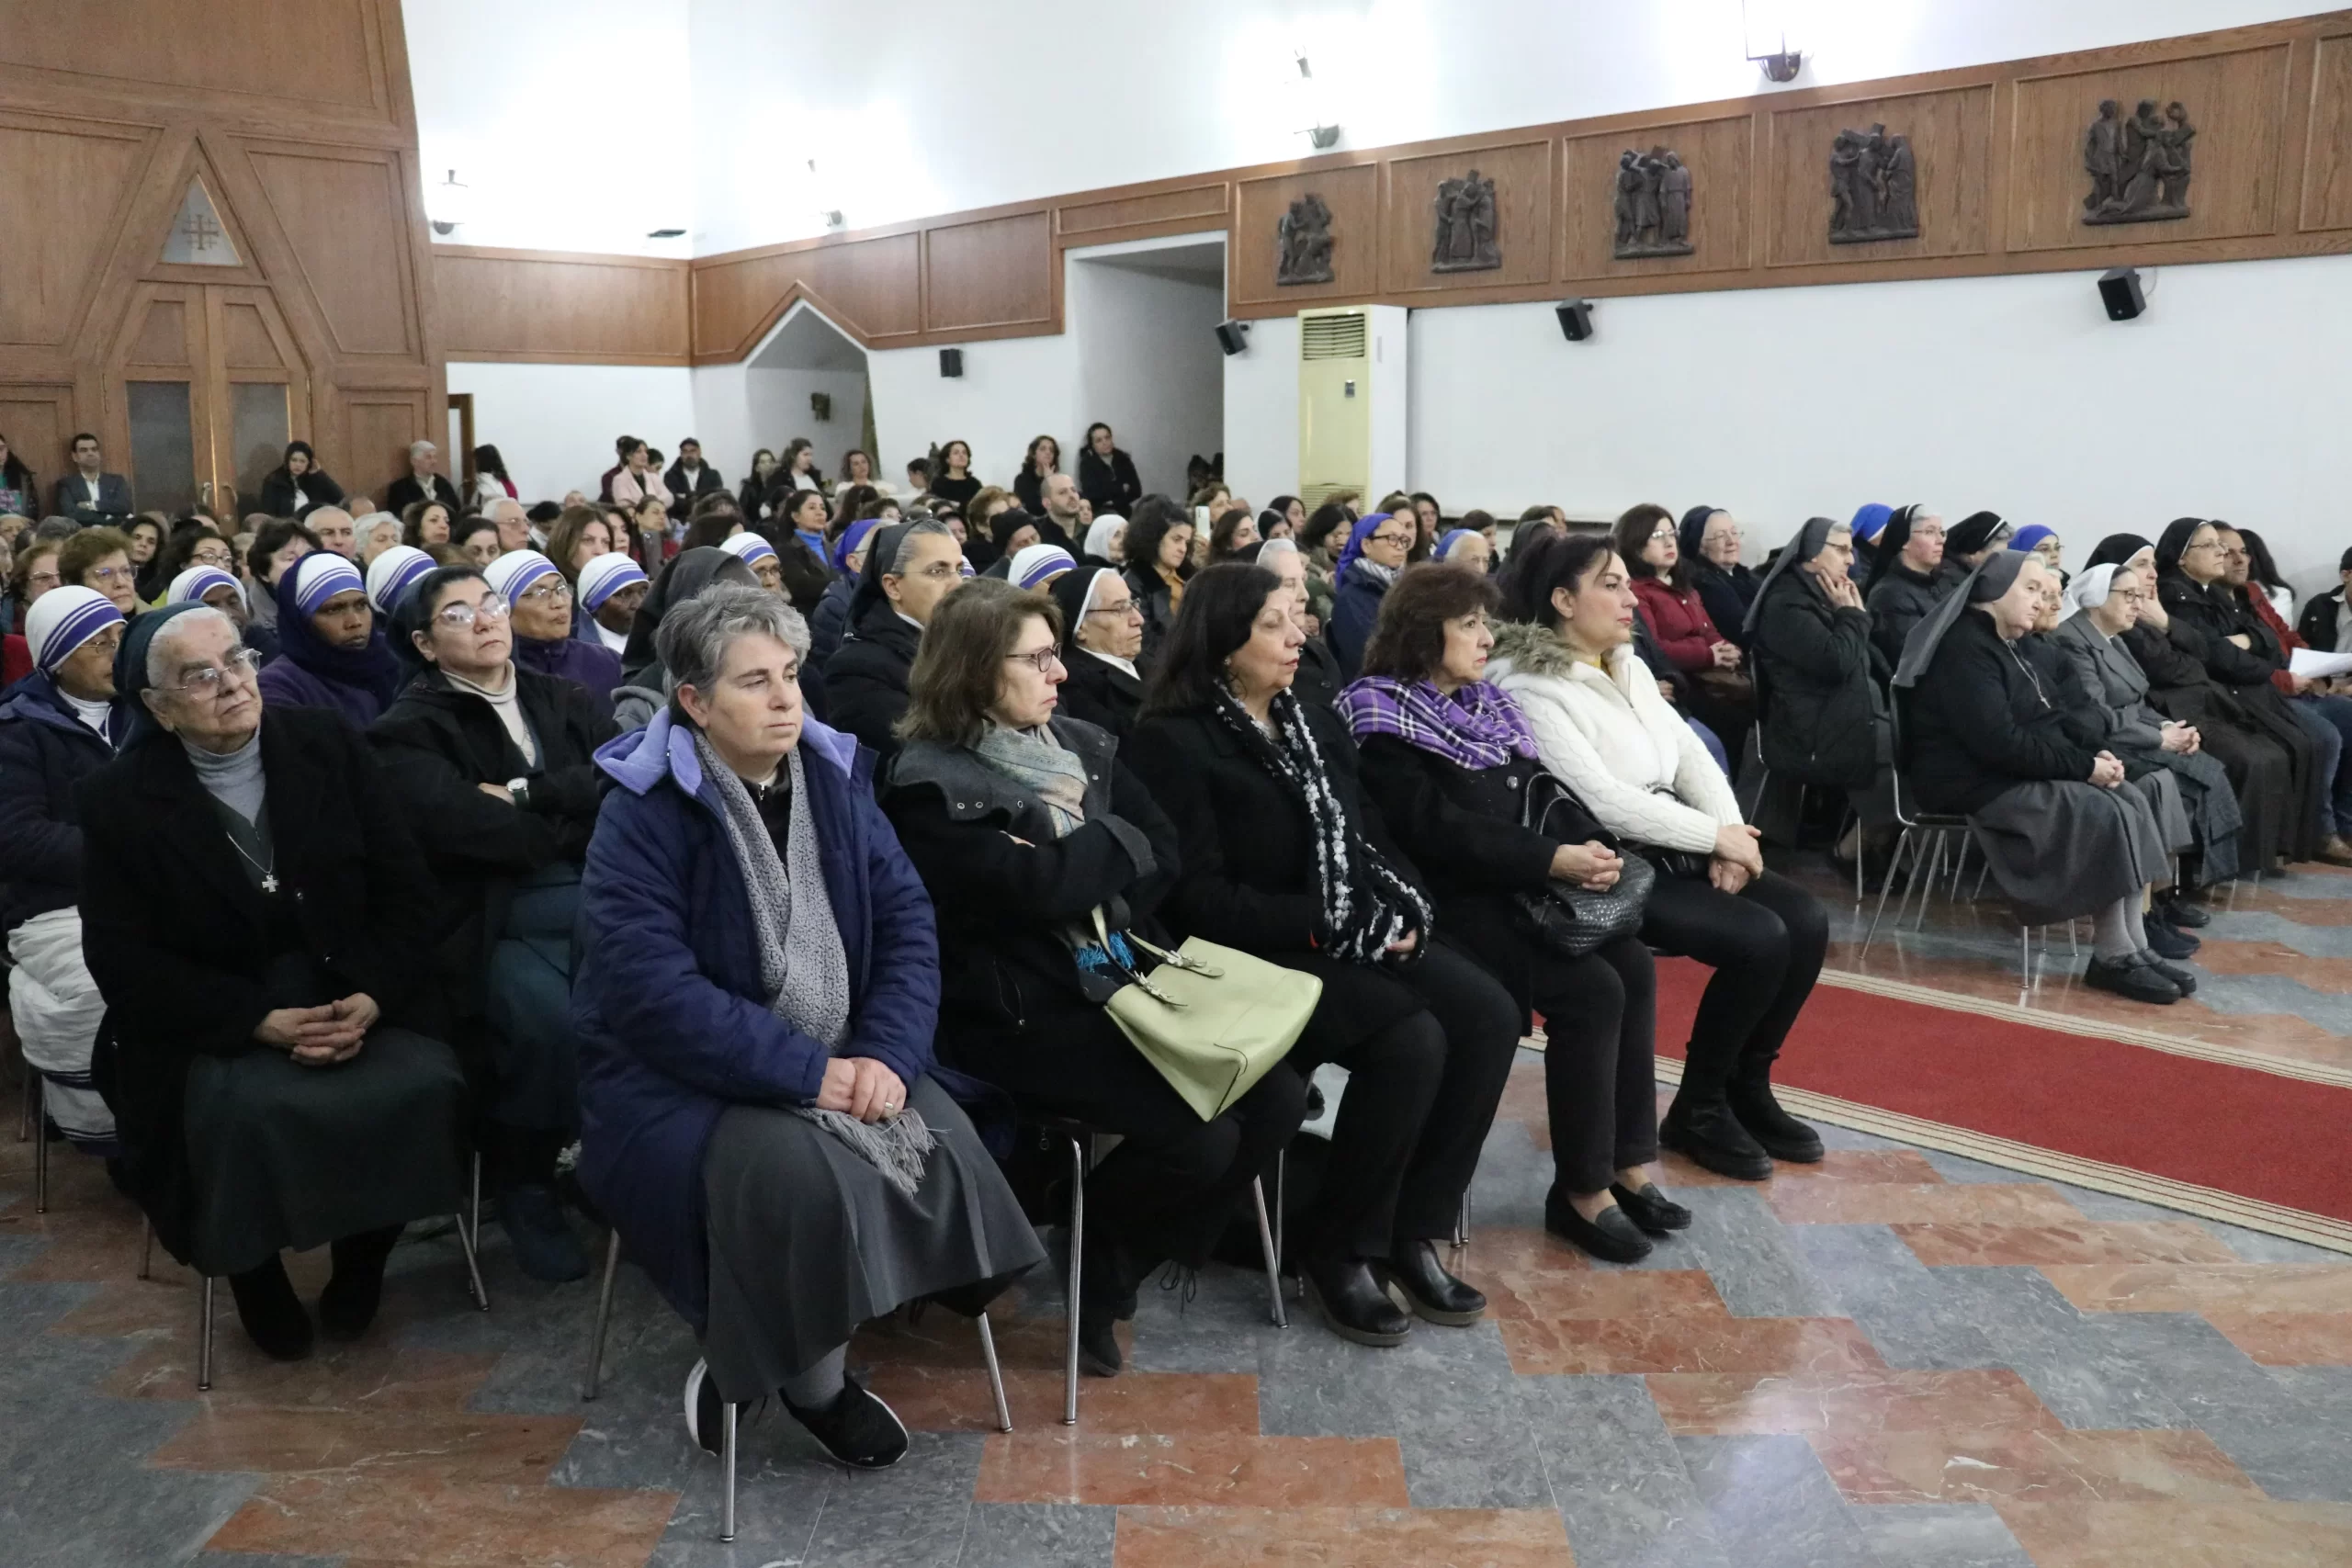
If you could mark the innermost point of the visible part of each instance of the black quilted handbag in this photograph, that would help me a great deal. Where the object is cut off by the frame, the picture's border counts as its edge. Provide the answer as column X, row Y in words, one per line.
column 1572, row 920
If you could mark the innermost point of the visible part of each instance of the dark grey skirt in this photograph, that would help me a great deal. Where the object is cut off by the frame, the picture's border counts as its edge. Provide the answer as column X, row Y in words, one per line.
column 2061, row 849
column 288, row 1156
column 807, row 1240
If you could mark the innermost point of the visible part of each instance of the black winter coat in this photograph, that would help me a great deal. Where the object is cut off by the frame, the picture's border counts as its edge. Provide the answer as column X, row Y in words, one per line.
column 318, row 490
column 1818, row 681
column 1101, row 693
column 181, row 942
column 865, row 680
column 1898, row 602
column 2317, row 624
column 2215, row 617
column 1004, row 968
column 438, row 744
column 1108, row 486
column 1978, row 723
column 1462, row 825
column 45, row 754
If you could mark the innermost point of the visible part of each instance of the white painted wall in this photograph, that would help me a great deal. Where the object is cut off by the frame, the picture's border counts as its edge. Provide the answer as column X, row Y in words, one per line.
column 1147, row 366
column 1011, row 390
column 1261, row 412
column 555, row 423
column 778, row 403
column 2012, row 393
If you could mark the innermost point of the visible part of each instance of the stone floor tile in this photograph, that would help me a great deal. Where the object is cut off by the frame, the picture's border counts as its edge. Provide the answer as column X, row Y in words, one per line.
column 448, row 1445
column 1745, row 1405
column 1062, row 1466
column 409, row 1519
column 2291, row 1433
column 2173, row 1241
column 2200, row 1287
column 2287, row 1338
column 2181, row 1535
column 1186, row 1537
column 1985, row 1466
column 1939, row 1535
column 1880, row 1203
column 1689, row 1343
column 1618, row 1479
column 1770, row 1496
column 1039, row 1535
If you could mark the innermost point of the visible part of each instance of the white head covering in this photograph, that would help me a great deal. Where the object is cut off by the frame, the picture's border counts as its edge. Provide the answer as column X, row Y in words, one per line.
column 64, row 619
column 1034, row 564
column 513, row 573
column 190, row 586
column 393, row 573
column 2090, row 588
column 748, row 547
column 320, row 576
column 1099, row 532
column 604, row 576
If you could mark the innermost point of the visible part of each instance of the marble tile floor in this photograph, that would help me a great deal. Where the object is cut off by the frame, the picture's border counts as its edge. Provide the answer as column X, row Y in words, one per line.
column 1898, row 1358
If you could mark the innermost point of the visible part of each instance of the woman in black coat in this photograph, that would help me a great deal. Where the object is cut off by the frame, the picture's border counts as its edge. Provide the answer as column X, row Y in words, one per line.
column 1023, row 826
column 297, row 484
column 1904, row 585
column 1449, row 759
column 495, row 763
column 1106, row 476
column 254, row 911
column 1283, row 858
column 1101, row 638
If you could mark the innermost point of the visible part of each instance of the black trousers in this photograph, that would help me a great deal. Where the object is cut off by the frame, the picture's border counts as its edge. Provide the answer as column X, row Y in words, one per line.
column 1169, row 1187
column 1764, row 944
column 1422, row 1095
column 1600, row 1072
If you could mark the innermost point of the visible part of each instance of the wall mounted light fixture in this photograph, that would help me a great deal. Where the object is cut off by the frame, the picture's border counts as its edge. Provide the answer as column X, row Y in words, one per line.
column 450, row 204
column 1320, row 130
column 1765, row 23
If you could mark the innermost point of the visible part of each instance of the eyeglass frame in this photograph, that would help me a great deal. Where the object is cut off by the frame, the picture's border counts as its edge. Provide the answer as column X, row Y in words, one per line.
column 206, row 682
column 463, row 616
column 549, row 588
column 1043, row 659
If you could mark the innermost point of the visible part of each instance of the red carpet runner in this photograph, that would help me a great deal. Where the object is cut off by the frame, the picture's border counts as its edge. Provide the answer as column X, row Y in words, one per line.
column 2239, row 1130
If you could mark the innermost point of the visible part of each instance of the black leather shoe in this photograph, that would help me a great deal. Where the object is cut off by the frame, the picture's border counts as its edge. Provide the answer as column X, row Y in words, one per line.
column 271, row 1312
column 1782, row 1135
column 2130, row 978
column 1354, row 1305
column 1650, row 1209
column 2181, row 913
column 2183, row 980
column 1433, row 1293
column 1711, row 1137
column 1613, row 1237
column 2166, row 942
column 348, row 1303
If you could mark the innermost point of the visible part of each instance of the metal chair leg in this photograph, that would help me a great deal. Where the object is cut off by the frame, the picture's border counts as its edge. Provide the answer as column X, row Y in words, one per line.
column 1281, row 1174
column 726, row 1519
column 147, row 1251
column 473, row 1268
column 1266, row 1245
column 1926, row 885
column 40, row 1161
column 1894, row 869
column 996, row 1375
column 32, row 1097
column 1462, row 1222
column 1077, row 1252
column 2025, row 959
column 604, row 1318
column 204, row 1337
column 473, row 1235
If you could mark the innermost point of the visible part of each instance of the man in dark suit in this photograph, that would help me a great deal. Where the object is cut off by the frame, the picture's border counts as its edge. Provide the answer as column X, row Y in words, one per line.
column 690, row 479
column 421, row 484
column 86, row 495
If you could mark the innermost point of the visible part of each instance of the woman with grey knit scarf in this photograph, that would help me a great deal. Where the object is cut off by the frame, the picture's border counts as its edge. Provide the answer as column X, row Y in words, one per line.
column 756, row 1000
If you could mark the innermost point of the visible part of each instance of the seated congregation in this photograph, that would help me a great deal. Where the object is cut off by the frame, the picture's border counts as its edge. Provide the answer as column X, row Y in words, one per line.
column 788, row 861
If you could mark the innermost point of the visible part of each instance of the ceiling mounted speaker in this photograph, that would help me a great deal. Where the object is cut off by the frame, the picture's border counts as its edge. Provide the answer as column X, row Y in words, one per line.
column 1575, row 318
column 951, row 363
column 2119, row 289
column 1233, row 336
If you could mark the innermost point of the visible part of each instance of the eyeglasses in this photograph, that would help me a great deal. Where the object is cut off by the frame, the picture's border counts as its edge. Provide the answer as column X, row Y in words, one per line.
column 111, row 574
column 2208, row 545
column 210, row 558
column 207, row 682
column 1043, row 661
column 1388, row 538
column 938, row 572
column 549, row 592
column 1660, row 532
column 1129, row 608
column 463, row 616
column 1933, row 531
column 45, row 578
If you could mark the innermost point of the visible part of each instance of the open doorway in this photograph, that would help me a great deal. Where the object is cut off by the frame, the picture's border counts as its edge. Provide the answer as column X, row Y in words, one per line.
column 1144, row 316
column 809, row 379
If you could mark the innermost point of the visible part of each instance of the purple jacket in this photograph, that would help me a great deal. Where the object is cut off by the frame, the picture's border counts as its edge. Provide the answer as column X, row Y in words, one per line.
column 595, row 666
column 285, row 684
column 668, row 1000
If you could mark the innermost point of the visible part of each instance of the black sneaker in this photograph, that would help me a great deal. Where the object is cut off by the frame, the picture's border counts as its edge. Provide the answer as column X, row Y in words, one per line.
column 545, row 1246
column 858, row 1428
column 706, row 1412
column 2130, row 978
column 2183, row 980
column 2166, row 942
column 1710, row 1136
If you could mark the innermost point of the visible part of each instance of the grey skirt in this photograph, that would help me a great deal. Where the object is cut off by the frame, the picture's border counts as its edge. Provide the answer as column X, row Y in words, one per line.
column 2063, row 848
column 807, row 1240
column 288, row 1156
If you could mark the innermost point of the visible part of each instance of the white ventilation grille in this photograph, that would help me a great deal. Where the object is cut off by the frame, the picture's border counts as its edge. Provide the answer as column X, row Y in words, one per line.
column 1340, row 335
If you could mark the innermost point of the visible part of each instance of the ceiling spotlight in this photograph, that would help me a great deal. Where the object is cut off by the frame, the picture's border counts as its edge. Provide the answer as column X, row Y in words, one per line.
column 1322, row 132
column 1766, row 22
column 450, row 204
column 827, row 213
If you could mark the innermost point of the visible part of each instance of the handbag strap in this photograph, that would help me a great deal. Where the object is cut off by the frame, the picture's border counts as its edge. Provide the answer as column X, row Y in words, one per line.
column 1103, row 935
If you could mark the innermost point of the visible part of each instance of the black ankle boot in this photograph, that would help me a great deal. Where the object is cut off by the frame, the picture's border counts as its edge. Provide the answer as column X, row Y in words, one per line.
column 1782, row 1135
column 1710, row 1136
column 1354, row 1305
column 272, row 1313
column 1431, row 1289
column 348, row 1303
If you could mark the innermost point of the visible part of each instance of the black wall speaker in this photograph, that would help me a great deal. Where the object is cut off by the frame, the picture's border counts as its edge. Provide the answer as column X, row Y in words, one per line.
column 951, row 363
column 1233, row 336
column 2119, row 289
column 1576, row 320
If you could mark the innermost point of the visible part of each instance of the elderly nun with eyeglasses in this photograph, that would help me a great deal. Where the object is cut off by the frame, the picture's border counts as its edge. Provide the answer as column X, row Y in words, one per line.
column 757, row 992
column 254, row 911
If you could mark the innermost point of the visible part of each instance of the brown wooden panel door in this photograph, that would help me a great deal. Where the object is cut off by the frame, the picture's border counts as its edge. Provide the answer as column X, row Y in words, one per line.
column 158, row 391
column 259, row 392
column 37, row 420
column 381, row 425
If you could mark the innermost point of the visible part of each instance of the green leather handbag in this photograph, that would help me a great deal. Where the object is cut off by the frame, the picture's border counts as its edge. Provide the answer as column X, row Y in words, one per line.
column 1212, row 1020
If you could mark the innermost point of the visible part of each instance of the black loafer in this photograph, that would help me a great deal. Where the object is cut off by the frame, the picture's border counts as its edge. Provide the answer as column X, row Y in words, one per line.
column 2166, row 942
column 1781, row 1135
column 2131, row 979
column 1613, row 1237
column 2183, row 980
column 2180, row 912
column 1432, row 1292
column 1711, row 1137
column 1650, row 1209
column 1354, row 1305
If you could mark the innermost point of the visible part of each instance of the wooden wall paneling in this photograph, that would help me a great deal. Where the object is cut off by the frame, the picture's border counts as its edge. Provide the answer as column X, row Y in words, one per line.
column 68, row 188
column 1524, row 181
column 995, row 273
column 1720, row 154
column 342, row 213
column 2326, row 195
column 1087, row 222
column 1951, row 139
column 871, row 289
column 2237, row 102
column 560, row 307
column 37, row 418
column 380, row 425
column 1353, row 193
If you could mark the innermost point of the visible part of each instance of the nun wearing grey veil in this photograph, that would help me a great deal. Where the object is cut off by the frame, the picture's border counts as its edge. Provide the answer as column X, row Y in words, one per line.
column 1985, row 737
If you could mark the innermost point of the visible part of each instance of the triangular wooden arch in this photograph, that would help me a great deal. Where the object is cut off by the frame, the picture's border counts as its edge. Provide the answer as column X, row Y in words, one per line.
column 182, row 253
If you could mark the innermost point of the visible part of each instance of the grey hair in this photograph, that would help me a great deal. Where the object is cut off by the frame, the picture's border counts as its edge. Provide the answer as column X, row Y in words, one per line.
column 365, row 526
column 419, row 448
column 169, row 634
column 922, row 528
column 693, row 639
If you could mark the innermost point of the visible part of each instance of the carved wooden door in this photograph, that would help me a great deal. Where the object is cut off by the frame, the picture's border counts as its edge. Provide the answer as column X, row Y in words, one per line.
column 211, row 389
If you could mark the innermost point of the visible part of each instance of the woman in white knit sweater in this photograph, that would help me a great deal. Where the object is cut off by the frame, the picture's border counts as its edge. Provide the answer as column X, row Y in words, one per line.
column 1601, row 727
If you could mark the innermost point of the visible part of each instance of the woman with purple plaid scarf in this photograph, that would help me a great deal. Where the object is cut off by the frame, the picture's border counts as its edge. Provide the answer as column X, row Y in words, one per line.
column 1449, row 759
